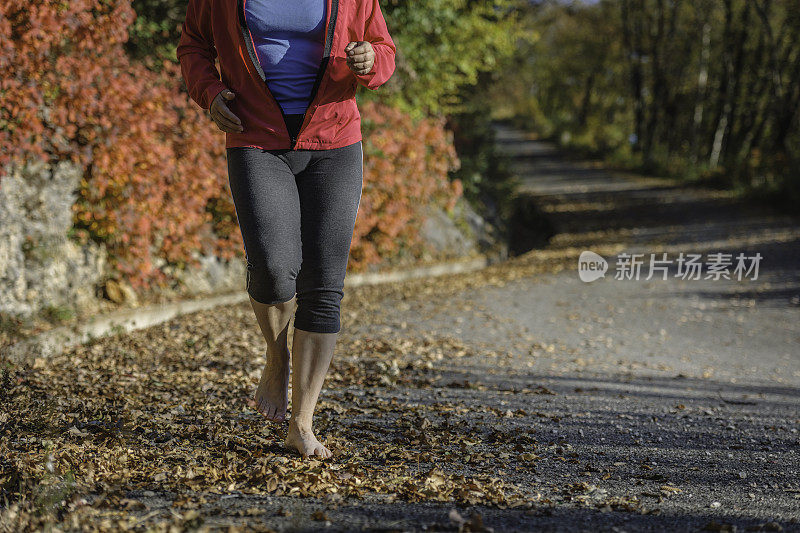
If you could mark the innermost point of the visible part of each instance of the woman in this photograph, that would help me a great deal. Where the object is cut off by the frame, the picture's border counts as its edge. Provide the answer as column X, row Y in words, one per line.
column 285, row 97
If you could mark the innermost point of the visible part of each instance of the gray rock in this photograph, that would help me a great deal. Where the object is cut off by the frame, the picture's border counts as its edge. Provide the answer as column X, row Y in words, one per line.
column 39, row 265
column 482, row 232
column 213, row 275
column 441, row 232
column 461, row 233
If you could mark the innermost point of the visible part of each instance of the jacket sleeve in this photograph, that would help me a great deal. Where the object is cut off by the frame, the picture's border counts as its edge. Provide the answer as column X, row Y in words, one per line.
column 196, row 54
column 377, row 34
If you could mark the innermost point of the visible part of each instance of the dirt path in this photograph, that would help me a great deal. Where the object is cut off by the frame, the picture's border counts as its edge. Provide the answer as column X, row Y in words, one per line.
column 519, row 394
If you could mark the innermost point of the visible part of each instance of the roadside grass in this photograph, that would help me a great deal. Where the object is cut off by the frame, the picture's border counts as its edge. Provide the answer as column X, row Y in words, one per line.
column 781, row 193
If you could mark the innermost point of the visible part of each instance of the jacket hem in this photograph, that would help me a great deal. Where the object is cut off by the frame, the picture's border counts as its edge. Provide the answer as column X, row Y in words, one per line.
column 284, row 145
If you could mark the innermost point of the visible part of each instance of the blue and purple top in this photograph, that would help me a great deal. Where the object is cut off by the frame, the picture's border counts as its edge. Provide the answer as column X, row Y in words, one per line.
column 288, row 37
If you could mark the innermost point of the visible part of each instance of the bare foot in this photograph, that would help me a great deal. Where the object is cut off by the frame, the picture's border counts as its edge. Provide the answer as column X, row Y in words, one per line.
column 272, row 396
column 304, row 441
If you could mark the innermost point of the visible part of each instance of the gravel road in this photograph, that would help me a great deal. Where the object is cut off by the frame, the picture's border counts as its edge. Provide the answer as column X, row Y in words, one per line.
column 681, row 392
column 516, row 398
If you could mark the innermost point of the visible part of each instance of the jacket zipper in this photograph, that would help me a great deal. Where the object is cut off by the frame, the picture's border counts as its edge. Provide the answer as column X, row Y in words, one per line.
column 321, row 70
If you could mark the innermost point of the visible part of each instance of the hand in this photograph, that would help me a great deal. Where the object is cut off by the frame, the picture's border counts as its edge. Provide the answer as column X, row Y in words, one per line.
column 224, row 117
column 360, row 57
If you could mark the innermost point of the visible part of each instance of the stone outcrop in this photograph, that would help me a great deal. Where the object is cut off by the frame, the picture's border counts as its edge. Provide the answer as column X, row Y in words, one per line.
column 461, row 233
column 40, row 266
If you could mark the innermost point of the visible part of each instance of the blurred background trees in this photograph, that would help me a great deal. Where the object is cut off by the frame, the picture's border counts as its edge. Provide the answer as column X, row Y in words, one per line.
column 449, row 52
column 96, row 82
column 708, row 89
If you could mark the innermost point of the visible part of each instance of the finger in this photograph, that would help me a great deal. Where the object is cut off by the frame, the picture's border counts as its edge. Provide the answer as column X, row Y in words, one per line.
column 228, row 129
column 228, row 94
column 360, row 53
column 362, row 66
column 223, row 120
column 228, row 118
column 350, row 46
column 225, row 124
column 225, row 111
column 361, row 57
column 361, row 48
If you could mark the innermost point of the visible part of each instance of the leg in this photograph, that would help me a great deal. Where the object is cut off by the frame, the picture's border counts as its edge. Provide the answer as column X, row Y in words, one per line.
column 330, row 192
column 268, row 211
column 272, row 393
column 311, row 357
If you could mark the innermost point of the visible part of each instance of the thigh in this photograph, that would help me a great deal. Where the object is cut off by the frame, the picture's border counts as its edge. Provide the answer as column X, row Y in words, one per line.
column 267, row 205
column 330, row 194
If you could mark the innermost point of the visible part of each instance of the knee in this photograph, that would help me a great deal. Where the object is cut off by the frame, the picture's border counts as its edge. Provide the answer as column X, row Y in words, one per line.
column 270, row 283
column 318, row 310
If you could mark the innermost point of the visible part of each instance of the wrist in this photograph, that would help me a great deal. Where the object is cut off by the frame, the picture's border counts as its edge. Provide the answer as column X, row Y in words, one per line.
column 212, row 92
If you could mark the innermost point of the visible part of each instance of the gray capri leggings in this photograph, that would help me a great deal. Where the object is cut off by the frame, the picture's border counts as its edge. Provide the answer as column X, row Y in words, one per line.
column 296, row 210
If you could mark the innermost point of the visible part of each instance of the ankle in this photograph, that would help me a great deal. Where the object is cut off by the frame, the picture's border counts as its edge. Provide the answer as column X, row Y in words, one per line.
column 300, row 422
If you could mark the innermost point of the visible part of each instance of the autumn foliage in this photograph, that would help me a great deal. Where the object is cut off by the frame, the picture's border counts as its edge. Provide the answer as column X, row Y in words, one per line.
column 155, row 188
column 405, row 168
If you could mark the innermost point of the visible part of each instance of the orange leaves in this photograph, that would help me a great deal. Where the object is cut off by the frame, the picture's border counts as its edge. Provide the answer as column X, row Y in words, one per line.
column 406, row 165
column 155, row 188
column 152, row 160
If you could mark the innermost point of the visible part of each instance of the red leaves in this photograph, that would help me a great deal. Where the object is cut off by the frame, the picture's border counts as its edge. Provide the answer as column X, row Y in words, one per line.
column 152, row 160
column 406, row 164
column 155, row 186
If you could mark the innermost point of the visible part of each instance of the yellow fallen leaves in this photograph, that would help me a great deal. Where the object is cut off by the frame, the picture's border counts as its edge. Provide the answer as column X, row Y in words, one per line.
column 669, row 490
column 164, row 410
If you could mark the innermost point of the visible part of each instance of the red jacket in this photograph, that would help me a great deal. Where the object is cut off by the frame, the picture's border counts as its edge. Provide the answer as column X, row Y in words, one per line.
column 216, row 28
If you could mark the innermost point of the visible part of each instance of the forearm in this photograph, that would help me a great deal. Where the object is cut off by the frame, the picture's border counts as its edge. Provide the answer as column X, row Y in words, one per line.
column 196, row 54
column 377, row 34
column 201, row 76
